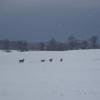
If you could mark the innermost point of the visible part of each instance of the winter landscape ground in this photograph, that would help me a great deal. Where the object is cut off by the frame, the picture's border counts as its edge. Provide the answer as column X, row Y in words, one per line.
column 76, row 78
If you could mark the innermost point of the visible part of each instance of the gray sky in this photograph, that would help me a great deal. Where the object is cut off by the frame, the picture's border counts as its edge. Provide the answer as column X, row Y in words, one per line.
column 40, row 20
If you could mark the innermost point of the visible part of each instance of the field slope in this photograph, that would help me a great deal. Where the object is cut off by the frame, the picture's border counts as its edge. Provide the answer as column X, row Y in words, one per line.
column 76, row 78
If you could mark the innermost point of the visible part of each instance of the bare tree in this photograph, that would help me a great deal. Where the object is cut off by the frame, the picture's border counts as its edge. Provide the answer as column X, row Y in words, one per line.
column 84, row 44
column 71, row 42
column 6, row 45
column 41, row 46
column 52, row 45
column 21, row 45
column 93, row 42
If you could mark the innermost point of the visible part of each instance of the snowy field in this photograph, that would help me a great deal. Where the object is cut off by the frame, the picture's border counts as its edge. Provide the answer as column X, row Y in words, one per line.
column 76, row 78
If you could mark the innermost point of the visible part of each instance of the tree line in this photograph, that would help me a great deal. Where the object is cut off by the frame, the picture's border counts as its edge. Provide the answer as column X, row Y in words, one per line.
column 71, row 43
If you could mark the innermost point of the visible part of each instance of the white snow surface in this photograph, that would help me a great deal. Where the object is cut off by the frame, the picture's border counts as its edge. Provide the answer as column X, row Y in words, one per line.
column 76, row 78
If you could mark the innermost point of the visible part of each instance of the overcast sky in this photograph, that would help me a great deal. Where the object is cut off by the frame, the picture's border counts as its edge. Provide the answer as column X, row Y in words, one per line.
column 40, row 20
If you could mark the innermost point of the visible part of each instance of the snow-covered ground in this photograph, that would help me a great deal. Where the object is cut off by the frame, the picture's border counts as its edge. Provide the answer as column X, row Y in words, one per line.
column 76, row 78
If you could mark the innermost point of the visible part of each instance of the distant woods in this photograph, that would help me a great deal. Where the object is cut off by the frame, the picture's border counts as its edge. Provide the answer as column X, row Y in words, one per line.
column 71, row 43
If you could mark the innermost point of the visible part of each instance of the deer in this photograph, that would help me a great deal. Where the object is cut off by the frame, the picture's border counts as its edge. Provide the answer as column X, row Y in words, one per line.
column 61, row 60
column 21, row 60
column 42, row 60
column 50, row 59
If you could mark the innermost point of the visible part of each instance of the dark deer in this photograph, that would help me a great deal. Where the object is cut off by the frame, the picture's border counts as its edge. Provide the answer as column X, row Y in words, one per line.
column 61, row 60
column 51, row 60
column 21, row 60
column 42, row 60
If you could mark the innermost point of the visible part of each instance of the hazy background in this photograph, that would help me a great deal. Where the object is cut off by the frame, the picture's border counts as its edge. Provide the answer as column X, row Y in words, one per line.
column 41, row 20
